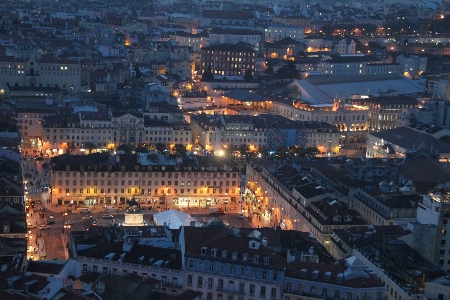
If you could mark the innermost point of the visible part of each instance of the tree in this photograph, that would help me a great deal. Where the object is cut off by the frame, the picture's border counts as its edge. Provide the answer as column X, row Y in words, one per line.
column 125, row 148
column 89, row 146
column 248, row 76
column 311, row 151
column 287, row 71
column 208, row 75
column 138, row 73
column 160, row 147
column 141, row 149
column 243, row 149
column 179, row 149
column 263, row 150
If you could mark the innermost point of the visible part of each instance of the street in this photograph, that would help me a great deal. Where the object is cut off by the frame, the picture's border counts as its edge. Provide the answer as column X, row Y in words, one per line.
column 51, row 243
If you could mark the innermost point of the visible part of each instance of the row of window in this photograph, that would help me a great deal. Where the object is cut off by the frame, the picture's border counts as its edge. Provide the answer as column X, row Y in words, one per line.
column 149, row 183
column 139, row 191
column 231, row 286
column 152, row 175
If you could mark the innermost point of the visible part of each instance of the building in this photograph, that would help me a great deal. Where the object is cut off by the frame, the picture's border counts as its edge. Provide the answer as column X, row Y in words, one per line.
column 319, row 89
column 383, row 206
column 228, row 262
column 402, row 142
column 228, row 59
column 234, row 36
column 279, row 32
column 319, row 280
column 152, row 178
column 57, row 73
column 383, row 110
column 413, row 65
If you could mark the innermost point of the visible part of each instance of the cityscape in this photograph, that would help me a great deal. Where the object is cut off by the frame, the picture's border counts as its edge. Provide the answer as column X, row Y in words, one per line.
column 225, row 150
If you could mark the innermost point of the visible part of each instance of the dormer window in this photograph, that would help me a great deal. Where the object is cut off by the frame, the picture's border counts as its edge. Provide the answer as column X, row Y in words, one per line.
column 303, row 273
column 6, row 228
column 340, row 277
column 315, row 274
column 214, row 252
column 266, row 261
column 234, row 255
column 203, row 251
column 67, row 167
column 224, row 253
column 327, row 276
column 109, row 167
column 81, row 168
column 255, row 258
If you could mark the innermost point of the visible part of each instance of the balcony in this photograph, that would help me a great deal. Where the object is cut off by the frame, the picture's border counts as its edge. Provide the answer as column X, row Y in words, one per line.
column 170, row 284
column 230, row 290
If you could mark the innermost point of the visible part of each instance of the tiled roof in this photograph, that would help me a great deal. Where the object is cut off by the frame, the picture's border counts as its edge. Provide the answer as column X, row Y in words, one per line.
column 412, row 139
column 424, row 172
column 230, row 240
column 173, row 257
column 46, row 267
column 226, row 14
column 293, row 270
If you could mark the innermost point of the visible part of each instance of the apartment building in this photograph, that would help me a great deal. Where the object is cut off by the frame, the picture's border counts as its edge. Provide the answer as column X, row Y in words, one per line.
column 382, row 206
column 46, row 72
column 228, row 59
column 231, row 263
column 350, row 120
column 214, row 132
column 319, row 280
column 347, row 64
column 152, row 178
column 234, row 36
column 122, row 258
column 275, row 33
column 383, row 110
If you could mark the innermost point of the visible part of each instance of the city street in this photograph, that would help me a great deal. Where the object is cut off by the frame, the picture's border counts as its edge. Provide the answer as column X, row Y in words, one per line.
column 50, row 243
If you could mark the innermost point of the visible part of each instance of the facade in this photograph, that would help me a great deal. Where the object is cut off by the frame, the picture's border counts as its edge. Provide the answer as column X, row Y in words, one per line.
column 278, row 32
column 213, row 132
column 346, row 46
column 234, row 36
column 148, row 260
column 384, row 109
column 413, row 65
column 152, row 178
column 228, row 59
column 318, row 281
column 58, row 73
column 351, row 120
column 229, row 264
column 383, row 207
column 402, row 141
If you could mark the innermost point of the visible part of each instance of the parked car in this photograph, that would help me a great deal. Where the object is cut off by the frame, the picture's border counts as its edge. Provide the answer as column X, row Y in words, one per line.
column 31, row 226
column 42, row 208
column 94, row 223
column 108, row 217
column 64, row 213
column 44, row 226
column 70, row 222
column 50, row 216
column 49, row 222
column 86, row 217
column 39, row 201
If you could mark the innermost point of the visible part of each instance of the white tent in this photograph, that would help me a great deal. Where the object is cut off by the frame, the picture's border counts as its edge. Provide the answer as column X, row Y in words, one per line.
column 173, row 218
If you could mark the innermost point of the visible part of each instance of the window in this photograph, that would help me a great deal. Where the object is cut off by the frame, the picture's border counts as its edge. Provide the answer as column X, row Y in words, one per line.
column 252, row 290
column 264, row 275
column 210, row 283
column 262, row 292
column 189, row 280
column 199, row 281
column 349, row 296
column 275, row 276
column 273, row 292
